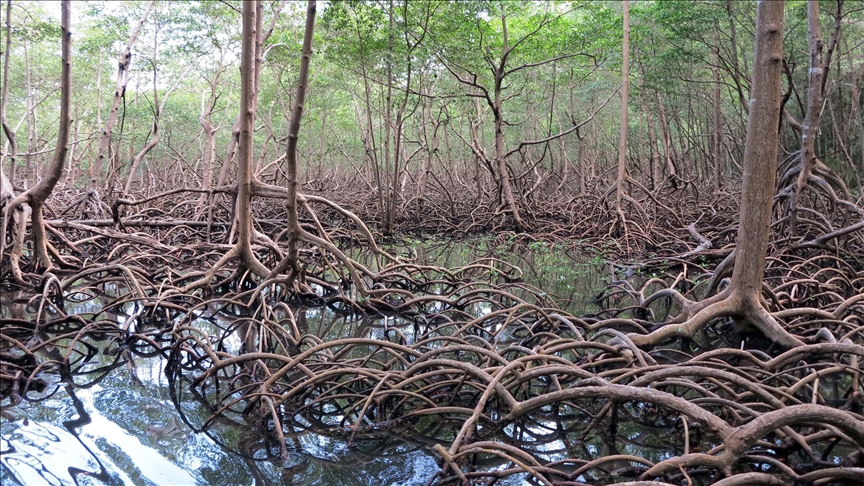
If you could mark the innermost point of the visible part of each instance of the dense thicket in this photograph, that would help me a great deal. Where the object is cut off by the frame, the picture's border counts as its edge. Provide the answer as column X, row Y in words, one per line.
column 421, row 109
column 189, row 165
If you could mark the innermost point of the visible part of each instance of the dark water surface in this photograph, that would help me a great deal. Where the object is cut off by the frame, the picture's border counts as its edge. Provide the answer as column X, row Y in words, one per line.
column 122, row 427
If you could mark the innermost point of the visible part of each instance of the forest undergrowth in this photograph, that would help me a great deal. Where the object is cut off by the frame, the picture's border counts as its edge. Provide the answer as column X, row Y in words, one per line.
column 503, row 393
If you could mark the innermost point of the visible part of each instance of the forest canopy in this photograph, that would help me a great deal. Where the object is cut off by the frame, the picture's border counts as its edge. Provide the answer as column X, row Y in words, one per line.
column 425, row 63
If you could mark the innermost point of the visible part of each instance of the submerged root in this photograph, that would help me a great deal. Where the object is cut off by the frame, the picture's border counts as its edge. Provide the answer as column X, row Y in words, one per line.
column 469, row 362
column 482, row 364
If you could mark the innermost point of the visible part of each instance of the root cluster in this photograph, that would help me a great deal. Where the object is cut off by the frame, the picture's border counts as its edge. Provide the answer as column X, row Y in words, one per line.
column 474, row 365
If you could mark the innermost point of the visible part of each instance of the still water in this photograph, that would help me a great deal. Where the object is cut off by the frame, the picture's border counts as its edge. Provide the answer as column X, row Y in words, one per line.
column 115, row 421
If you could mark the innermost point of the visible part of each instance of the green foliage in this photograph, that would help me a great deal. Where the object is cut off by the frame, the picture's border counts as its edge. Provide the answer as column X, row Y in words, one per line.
column 672, row 44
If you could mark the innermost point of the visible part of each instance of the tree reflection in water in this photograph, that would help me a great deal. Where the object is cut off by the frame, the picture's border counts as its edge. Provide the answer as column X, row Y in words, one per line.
column 467, row 374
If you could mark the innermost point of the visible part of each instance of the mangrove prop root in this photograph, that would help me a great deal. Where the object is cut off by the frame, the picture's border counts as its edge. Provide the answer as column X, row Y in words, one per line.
column 487, row 372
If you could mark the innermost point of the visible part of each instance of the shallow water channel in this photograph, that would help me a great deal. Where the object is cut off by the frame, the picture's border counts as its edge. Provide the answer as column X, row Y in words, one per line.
column 121, row 426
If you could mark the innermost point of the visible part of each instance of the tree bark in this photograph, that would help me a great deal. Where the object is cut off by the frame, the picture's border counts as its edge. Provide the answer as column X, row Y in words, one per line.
column 760, row 153
column 814, row 107
column 622, row 140
column 293, row 221
column 735, row 67
column 235, row 128
column 153, row 139
column 671, row 172
column 205, row 119
column 856, row 102
column 30, row 115
column 123, row 64
column 4, row 97
column 716, row 118
column 248, row 104
column 430, row 142
column 743, row 299
column 32, row 200
column 389, row 179
column 505, row 187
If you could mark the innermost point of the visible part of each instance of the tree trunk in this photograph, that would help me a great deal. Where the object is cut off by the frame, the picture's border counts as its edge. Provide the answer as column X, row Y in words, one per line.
column 235, row 128
column 666, row 138
column 431, row 145
column 743, row 299
column 4, row 97
column 154, row 128
column 760, row 154
column 622, row 140
column 736, row 70
column 32, row 200
column 389, row 179
column 123, row 64
column 855, row 110
column 505, row 188
column 656, row 170
column 293, row 223
column 72, row 160
column 369, row 140
column 31, row 116
column 248, row 95
column 717, row 129
column 209, row 154
column 812, row 116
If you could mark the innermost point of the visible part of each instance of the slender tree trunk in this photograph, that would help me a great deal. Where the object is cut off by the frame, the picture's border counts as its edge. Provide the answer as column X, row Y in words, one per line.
column 743, row 298
column 833, row 41
column 154, row 129
column 72, row 162
column 622, row 140
column 855, row 109
column 123, row 64
column 390, row 182
column 431, row 144
column 209, row 153
column 812, row 115
column 248, row 92
column 716, row 118
column 4, row 97
column 656, row 170
column 580, row 165
column 99, row 88
column 31, row 116
column 592, row 155
column 371, row 146
column 505, row 187
column 33, row 199
column 293, row 221
column 666, row 139
column 231, row 151
column 736, row 70
column 114, row 160
column 397, row 134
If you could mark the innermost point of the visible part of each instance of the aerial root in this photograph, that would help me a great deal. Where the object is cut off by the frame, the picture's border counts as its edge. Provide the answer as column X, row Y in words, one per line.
column 518, row 364
column 470, row 362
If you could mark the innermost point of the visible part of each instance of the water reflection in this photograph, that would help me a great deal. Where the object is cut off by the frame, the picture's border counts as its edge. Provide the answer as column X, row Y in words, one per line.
column 103, row 439
column 104, row 424
column 92, row 447
column 572, row 279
